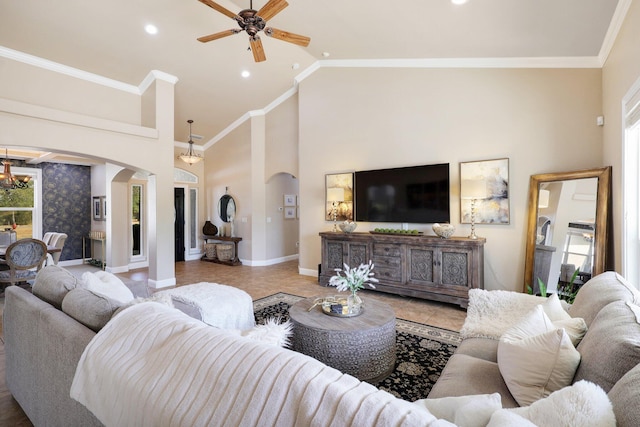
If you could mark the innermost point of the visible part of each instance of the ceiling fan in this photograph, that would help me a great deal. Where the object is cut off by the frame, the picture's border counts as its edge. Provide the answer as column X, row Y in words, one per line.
column 253, row 22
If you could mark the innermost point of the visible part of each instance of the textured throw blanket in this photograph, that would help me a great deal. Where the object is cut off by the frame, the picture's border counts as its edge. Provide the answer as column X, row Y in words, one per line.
column 152, row 365
column 491, row 313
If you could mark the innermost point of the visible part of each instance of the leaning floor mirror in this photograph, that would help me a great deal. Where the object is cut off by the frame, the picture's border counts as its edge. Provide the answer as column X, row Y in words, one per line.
column 567, row 230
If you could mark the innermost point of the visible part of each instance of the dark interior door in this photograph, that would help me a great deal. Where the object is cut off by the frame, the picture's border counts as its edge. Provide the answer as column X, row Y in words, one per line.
column 178, row 202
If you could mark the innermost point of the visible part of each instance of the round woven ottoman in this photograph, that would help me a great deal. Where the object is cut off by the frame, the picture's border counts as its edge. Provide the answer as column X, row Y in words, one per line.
column 363, row 346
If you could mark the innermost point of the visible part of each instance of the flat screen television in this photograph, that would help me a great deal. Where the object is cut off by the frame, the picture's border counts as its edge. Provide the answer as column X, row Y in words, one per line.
column 415, row 194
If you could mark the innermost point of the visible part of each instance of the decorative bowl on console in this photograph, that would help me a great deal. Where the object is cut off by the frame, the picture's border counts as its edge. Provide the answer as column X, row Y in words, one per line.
column 443, row 230
column 347, row 226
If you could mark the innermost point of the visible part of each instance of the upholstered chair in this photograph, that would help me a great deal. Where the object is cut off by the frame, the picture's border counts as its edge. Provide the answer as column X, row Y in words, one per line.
column 57, row 241
column 24, row 258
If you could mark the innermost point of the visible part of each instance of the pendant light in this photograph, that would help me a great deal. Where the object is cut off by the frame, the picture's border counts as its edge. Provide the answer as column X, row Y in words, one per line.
column 7, row 180
column 190, row 156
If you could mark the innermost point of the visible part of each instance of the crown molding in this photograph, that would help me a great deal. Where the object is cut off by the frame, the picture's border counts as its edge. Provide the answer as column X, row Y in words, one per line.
column 524, row 62
column 84, row 75
column 156, row 75
column 64, row 69
column 614, row 28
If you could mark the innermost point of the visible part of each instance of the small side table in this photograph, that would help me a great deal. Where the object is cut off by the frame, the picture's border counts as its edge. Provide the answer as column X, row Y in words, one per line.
column 88, row 240
column 363, row 346
column 234, row 259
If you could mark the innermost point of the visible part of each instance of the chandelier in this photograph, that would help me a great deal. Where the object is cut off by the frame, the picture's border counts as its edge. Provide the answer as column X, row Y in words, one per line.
column 190, row 156
column 9, row 181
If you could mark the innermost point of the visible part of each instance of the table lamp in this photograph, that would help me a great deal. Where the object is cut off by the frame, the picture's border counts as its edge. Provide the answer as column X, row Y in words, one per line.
column 335, row 195
column 473, row 189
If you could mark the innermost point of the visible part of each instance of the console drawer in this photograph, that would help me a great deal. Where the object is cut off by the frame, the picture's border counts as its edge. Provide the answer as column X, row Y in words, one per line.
column 390, row 250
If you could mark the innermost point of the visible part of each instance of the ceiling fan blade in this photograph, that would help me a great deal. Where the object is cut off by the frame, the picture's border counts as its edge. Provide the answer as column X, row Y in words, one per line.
column 271, row 9
column 287, row 36
column 221, row 9
column 257, row 49
column 219, row 35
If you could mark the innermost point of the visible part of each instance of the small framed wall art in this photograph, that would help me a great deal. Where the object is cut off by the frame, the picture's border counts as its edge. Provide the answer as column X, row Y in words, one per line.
column 96, row 208
column 289, row 212
column 492, row 203
column 289, row 199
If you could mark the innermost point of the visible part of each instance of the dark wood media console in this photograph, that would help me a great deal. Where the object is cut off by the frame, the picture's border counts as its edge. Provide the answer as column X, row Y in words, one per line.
column 414, row 265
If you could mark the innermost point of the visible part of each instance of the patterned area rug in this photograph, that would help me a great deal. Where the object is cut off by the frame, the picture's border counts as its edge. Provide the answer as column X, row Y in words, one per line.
column 422, row 351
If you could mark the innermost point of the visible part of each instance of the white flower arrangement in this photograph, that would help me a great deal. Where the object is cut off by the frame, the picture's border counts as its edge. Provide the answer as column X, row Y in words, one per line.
column 354, row 279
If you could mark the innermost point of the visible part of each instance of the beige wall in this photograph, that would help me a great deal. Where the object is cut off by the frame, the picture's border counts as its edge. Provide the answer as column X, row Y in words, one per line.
column 620, row 72
column 34, row 85
column 543, row 120
column 282, row 139
column 259, row 161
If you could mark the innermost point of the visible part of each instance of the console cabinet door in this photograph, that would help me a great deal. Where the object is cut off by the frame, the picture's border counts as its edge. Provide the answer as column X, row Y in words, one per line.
column 357, row 253
column 455, row 271
column 442, row 269
column 337, row 253
column 422, row 266
column 334, row 255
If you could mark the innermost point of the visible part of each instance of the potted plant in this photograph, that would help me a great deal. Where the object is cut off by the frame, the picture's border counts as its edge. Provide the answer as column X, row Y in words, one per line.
column 353, row 280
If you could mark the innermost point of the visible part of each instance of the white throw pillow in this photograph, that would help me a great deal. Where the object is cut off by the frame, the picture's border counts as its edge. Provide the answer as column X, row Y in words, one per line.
column 464, row 411
column 583, row 404
column 575, row 327
column 108, row 285
column 536, row 359
column 553, row 308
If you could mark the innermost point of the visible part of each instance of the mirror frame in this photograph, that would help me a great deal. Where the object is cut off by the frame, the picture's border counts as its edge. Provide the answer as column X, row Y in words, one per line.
column 601, row 222
column 225, row 200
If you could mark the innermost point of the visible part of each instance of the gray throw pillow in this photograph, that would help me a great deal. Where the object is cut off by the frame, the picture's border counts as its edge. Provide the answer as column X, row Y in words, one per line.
column 53, row 283
column 611, row 346
column 91, row 309
column 624, row 397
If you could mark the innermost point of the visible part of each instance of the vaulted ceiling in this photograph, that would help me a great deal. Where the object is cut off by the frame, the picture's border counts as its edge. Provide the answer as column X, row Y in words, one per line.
column 108, row 38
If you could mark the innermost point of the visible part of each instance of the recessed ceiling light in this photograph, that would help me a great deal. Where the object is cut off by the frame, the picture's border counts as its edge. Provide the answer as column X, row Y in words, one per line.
column 151, row 29
column 245, row 74
column 459, row 1
column 325, row 54
column 295, row 66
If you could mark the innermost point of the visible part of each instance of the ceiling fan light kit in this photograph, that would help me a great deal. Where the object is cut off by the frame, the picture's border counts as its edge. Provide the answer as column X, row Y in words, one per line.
column 252, row 22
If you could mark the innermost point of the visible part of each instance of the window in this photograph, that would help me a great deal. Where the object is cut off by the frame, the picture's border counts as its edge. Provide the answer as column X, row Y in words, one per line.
column 631, row 186
column 137, row 220
column 20, row 207
column 193, row 219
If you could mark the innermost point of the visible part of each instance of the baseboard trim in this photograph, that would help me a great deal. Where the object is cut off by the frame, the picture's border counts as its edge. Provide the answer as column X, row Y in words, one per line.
column 158, row 284
column 273, row 261
column 307, row 272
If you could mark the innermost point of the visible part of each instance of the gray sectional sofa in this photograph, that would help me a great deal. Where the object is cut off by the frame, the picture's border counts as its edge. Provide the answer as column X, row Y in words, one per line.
column 45, row 337
column 610, row 351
